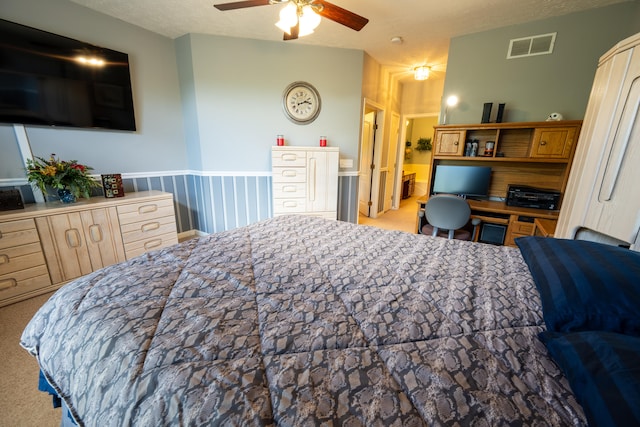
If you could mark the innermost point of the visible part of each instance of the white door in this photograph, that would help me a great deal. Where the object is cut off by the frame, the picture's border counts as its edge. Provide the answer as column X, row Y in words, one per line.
column 394, row 137
column 366, row 162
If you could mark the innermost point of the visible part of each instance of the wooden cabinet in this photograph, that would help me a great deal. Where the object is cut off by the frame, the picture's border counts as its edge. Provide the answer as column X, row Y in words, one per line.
column 305, row 181
column 47, row 244
column 553, row 143
column 535, row 154
column 603, row 187
column 78, row 243
column 449, row 143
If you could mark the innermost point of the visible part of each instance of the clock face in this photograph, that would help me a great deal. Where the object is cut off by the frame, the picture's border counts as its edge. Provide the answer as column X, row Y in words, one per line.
column 301, row 102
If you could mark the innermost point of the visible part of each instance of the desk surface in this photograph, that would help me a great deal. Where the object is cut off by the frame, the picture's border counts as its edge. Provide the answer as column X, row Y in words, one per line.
column 501, row 207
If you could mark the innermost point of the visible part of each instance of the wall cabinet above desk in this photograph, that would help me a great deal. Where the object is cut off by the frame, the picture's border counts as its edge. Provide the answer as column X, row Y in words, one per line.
column 537, row 154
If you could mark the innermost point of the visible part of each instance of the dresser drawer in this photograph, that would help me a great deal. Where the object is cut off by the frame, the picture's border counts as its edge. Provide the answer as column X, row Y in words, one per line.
column 283, row 190
column 135, row 248
column 145, row 230
column 289, row 175
column 141, row 212
column 23, row 281
column 288, row 158
column 16, row 233
column 20, row 258
column 289, row 205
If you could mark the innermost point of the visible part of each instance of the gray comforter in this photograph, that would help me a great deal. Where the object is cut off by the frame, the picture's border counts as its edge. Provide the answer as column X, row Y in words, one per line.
column 298, row 321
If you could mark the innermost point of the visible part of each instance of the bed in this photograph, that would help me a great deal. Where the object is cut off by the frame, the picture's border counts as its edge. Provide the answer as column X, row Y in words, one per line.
column 297, row 320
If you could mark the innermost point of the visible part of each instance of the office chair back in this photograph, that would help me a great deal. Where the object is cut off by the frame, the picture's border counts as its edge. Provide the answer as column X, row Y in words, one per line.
column 448, row 212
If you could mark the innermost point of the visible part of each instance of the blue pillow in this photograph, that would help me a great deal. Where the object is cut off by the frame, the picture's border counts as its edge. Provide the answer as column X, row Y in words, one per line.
column 585, row 285
column 603, row 369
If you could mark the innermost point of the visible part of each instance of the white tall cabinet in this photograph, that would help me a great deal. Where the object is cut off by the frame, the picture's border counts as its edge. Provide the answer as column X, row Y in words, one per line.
column 603, row 191
column 305, row 180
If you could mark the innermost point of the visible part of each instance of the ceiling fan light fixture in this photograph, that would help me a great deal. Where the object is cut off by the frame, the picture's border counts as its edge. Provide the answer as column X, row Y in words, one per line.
column 288, row 18
column 421, row 73
column 309, row 21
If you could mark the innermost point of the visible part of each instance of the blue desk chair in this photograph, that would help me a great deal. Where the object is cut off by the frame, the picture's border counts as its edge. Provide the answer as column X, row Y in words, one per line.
column 446, row 215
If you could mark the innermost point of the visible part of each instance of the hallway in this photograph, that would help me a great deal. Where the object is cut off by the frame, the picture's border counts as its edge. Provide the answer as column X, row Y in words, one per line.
column 402, row 219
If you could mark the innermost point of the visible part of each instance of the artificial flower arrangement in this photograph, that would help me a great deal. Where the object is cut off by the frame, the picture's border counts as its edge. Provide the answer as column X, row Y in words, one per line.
column 61, row 175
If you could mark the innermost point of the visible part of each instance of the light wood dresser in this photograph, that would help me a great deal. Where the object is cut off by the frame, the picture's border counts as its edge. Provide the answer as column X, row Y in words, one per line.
column 46, row 245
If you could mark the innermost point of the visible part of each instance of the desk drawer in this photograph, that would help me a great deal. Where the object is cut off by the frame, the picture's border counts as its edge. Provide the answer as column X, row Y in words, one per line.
column 525, row 228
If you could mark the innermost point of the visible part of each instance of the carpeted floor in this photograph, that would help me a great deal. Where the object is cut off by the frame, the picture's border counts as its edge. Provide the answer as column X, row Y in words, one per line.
column 21, row 404
column 402, row 219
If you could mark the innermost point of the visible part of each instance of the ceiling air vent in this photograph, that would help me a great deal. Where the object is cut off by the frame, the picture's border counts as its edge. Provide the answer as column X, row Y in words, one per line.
column 531, row 46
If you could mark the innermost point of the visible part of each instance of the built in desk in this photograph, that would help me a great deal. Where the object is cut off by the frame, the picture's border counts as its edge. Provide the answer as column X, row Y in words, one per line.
column 496, row 216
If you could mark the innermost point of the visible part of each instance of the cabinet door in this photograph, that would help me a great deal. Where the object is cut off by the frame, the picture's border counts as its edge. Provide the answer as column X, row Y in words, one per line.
column 449, row 143
column 603, row 185
column 322, row 181
column 64, row 246
column 553, row 143
column 78, row 243
column 103, row 238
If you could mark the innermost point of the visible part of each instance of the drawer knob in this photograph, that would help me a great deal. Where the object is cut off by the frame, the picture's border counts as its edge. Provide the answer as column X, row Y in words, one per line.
column 289, row 173
column 150, row 226
column 8, row 284
column 4, row 259
column 152, row 244
column 147, row 208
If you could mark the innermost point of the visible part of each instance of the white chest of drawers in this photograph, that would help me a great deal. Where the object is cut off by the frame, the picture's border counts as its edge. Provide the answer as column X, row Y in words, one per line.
column 305, row 181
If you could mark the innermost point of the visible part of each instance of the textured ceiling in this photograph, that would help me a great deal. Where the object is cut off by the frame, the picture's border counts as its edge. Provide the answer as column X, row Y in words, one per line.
column 426, row 26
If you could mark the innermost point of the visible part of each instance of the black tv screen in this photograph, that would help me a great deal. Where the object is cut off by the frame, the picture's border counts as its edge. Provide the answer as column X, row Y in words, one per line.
column 51, row 80
column 462, row 180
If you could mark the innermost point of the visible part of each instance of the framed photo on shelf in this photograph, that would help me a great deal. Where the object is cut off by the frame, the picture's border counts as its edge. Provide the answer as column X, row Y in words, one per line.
column 112, row 184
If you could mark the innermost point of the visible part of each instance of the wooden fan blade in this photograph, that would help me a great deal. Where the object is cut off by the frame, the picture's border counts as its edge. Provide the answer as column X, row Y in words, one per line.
column 241, row 4
column 294, row 33
column 342, row 16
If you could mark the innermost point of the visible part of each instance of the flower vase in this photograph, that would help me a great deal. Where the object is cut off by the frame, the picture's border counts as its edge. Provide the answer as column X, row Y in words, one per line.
column 66, row 196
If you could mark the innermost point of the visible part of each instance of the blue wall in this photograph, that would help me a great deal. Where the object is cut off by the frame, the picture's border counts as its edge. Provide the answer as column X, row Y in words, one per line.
column 216, row 203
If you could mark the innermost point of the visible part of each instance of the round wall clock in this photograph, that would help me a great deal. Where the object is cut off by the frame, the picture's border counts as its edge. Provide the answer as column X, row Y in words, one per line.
column 301, row 102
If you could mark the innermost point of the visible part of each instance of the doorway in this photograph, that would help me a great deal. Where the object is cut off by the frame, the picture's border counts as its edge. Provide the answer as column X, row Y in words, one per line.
column 372, row 146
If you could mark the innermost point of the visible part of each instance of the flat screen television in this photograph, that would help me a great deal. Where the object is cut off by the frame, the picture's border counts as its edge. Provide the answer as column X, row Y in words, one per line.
column 51, row 80
column 462, row 180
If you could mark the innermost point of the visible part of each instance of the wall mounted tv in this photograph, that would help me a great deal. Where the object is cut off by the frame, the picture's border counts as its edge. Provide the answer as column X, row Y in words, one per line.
column 51, row 80
column 462, row 180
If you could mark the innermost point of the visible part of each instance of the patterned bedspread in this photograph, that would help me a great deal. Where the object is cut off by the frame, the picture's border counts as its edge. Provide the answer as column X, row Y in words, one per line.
column 298, row 321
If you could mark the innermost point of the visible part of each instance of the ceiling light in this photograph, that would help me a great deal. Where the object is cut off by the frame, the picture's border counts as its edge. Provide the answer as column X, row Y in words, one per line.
column 396, row 40
column 309, row 21
column 421, row 73
column 298, row 12
column 288, row 18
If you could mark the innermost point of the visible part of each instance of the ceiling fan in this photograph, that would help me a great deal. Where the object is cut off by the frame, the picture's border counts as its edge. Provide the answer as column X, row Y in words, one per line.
column 301, row 8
